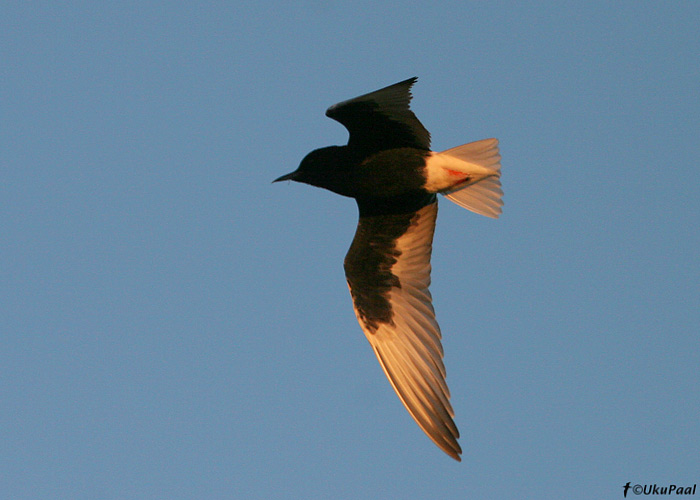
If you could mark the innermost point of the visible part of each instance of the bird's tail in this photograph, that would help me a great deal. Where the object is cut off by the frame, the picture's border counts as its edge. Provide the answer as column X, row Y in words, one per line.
column 484, row 195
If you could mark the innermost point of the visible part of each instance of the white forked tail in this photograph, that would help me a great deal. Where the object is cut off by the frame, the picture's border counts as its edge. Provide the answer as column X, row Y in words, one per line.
column 481, row 191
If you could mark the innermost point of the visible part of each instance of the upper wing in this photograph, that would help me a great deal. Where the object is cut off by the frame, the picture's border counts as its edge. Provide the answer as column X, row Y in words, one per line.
column 388, row 272
column 382, row 119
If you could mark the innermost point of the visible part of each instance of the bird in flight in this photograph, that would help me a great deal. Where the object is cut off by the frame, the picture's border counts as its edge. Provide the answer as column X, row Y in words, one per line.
column 389, row 169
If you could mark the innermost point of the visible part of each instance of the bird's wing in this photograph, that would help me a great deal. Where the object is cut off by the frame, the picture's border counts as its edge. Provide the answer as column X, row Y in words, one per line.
column 382, row 119
column 388, row 272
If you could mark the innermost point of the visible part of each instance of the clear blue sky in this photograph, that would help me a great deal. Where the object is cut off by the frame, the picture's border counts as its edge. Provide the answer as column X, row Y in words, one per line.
column 173, row 326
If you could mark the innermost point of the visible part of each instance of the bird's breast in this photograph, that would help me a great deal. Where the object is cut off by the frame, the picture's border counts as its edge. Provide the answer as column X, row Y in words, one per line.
column 391, row 173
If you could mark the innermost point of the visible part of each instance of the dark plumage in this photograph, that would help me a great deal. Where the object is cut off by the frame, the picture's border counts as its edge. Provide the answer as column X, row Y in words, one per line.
column 388, row 167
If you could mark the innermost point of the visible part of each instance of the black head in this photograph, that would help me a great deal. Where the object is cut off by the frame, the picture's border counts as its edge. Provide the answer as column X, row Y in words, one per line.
column 325, row 167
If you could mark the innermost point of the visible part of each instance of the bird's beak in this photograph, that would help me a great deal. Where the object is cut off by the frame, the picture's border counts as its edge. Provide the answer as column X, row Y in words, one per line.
column 287, row 177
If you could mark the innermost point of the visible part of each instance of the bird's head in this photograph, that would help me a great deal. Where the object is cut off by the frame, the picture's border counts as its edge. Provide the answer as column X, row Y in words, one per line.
column 318, row 168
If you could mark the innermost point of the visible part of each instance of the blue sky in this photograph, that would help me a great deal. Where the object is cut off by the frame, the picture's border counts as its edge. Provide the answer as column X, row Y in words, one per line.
column 174, row 326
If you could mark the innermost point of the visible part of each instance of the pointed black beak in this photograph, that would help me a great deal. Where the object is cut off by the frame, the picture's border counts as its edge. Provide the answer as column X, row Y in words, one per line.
column 288, row 177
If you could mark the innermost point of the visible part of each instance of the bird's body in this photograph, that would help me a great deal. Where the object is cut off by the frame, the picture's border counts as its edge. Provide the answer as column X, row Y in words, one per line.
column 389, row 169
column 359, row 175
